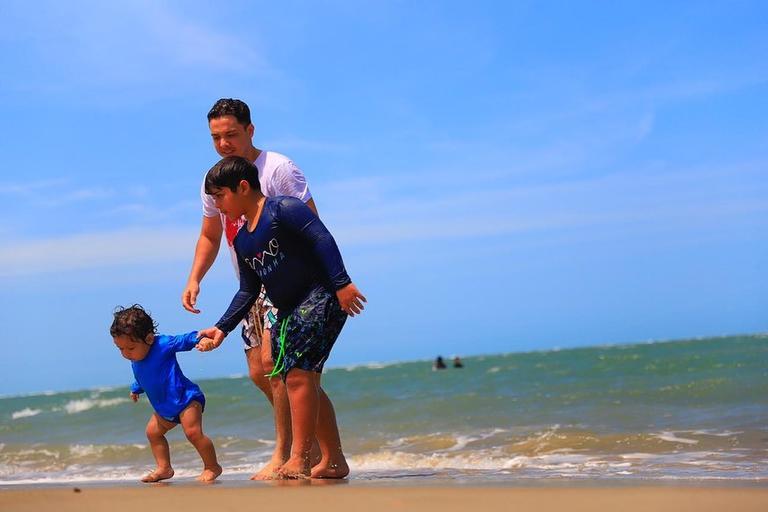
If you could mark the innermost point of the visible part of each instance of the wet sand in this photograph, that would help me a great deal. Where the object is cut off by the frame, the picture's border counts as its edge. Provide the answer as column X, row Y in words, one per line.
column 321, row 498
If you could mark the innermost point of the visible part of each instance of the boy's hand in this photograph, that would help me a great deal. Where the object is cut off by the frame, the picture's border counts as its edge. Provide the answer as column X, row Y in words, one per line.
column 134, row 397
column 351, row 300
column 209, row 339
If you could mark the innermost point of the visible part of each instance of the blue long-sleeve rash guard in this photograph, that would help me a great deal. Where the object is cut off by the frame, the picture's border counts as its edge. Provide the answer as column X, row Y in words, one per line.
column 159, row 375
column 291, row 252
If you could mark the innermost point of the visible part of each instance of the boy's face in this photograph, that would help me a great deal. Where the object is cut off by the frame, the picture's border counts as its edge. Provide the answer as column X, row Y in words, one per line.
column 229, row 202
column 230, row 138
column 133, row 349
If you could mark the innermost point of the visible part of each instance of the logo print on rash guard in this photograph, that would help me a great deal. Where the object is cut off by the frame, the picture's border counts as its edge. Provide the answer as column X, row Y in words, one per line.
column 273, row 250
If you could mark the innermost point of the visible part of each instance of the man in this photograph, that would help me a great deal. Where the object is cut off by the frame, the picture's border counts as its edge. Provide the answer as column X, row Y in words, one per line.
column 229, row 121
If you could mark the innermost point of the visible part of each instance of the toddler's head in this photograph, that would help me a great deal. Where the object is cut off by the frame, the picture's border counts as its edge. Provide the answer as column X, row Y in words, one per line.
column 133, row 331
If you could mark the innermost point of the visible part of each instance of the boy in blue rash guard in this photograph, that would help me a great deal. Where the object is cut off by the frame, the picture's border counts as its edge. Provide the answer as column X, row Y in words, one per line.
column 175, row 398
column 286, row 247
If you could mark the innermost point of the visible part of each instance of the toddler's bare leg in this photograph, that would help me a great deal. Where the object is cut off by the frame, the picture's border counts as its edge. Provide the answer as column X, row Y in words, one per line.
column 192, row 423
column 157, row 427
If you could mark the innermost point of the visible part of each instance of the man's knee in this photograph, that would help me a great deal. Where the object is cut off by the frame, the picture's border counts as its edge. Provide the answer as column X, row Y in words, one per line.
column 266, row 351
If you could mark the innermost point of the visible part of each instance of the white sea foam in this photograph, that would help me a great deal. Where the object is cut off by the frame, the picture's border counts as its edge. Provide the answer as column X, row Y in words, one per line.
column 710, row 432
column 672, row 438
column 374, row 365
column 25, row 413
column 76, row 406
column 461, row 443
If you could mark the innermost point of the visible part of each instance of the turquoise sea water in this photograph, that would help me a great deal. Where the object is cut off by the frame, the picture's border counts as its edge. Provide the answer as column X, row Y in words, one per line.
column 686, row 410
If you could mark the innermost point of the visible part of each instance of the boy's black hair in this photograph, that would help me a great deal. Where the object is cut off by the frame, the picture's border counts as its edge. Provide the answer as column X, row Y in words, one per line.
column 133, row 322
column 231, row 107
column 229, row 172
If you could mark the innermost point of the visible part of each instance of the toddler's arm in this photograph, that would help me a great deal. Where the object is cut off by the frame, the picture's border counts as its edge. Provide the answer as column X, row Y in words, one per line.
column 136, row 390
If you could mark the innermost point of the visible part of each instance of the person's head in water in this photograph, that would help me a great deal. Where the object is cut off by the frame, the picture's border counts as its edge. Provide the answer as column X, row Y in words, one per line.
column 229, row 121
column 133, row 332
column 439, row 363
column 234, row 183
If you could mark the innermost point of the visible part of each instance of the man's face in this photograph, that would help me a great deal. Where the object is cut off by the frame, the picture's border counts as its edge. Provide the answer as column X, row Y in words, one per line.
column 230, row 138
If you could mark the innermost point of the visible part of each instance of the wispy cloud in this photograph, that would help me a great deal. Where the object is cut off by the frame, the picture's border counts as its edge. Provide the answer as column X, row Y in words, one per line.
column 299, row 144
column 97, row 250
column 115, row 45
column 30, row 187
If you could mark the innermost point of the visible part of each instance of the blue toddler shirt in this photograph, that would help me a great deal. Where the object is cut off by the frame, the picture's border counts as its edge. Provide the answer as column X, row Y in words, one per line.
column 159, row 375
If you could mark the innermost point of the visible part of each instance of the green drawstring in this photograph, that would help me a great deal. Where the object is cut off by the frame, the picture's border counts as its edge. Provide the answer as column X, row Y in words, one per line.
column 280, row 363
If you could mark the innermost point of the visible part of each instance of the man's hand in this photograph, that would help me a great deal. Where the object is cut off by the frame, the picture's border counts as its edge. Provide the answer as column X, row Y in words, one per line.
column 351, row 300
column 134, row 397
column 189, row 297
column 209, row 339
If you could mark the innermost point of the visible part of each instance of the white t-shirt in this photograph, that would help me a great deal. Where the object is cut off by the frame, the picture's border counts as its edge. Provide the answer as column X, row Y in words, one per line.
column 278, row 176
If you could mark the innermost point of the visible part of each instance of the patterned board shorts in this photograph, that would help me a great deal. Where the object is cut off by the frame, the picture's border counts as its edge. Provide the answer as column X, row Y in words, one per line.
column 263, row 315
column 303, row 338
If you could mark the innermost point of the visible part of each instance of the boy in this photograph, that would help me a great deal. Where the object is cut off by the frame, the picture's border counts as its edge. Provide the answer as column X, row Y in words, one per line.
column 175, row 398
column 286, row 247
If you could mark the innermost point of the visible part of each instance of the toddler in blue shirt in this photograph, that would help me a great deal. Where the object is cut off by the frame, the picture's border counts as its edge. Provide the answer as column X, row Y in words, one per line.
column 174, row 397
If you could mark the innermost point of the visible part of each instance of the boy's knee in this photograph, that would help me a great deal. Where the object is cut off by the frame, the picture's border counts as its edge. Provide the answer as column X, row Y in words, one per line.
column 296, row 380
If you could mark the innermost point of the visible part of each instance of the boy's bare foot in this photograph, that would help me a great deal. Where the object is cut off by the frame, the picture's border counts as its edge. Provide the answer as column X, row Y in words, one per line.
column 331, row 469
column 295, row 467
column 269, row 471
column 157, row 475
column 210, row 473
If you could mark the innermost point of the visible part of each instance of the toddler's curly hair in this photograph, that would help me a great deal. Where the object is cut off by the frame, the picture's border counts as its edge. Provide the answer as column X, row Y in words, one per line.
column 134, row 322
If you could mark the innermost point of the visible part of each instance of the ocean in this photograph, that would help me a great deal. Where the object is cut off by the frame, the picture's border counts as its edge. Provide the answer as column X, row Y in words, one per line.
column 682, row 411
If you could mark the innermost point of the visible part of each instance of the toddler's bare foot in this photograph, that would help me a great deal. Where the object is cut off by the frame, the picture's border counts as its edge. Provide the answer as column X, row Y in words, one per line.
column 210, row 473
column 157, row 475
column 328, row 468
column 269, row 471
column 295, row 467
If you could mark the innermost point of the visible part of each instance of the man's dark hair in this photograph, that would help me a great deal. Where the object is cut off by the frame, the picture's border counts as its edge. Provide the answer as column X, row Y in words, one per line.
column 229, row 172
column 133, row 322
column 231, row 107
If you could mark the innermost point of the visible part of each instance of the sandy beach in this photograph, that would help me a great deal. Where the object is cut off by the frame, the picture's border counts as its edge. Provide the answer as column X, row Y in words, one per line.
column 373, row 499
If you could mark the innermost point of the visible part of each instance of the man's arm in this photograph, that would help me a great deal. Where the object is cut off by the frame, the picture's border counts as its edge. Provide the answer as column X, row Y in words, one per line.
column 205, row 254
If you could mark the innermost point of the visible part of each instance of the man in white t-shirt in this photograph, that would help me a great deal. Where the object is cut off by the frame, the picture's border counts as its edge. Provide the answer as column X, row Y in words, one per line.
column 230, row 124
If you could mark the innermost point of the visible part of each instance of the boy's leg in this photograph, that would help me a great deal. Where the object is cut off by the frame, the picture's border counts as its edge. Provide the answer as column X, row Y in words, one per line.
column 333, row 463
column 157, row 427
column 303, row 399
column 282, row 414
column 192, row 423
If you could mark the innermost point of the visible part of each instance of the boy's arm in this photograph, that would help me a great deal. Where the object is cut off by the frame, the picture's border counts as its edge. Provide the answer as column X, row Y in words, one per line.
column 299, row 219
column 250, row 286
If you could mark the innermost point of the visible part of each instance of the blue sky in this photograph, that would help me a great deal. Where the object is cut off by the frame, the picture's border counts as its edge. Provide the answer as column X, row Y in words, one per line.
column 500, row 176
